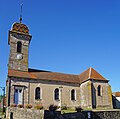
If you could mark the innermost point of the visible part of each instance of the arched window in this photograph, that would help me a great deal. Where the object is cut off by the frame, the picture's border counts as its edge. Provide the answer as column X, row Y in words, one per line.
column 99, row 90
column 37, row 93
column 73, row 94
column 19, row 47
column 56, row 94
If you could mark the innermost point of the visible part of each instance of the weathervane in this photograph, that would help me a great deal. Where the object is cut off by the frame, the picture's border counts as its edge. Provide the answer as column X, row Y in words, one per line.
column 21, row 7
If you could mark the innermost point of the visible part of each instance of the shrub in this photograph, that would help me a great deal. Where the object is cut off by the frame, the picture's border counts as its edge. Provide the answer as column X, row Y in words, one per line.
column 13, row 105
column 64, row 107
column 20, row 106
column 39, row 107
column 28, row 106
column 53, row 107
column 78, row 109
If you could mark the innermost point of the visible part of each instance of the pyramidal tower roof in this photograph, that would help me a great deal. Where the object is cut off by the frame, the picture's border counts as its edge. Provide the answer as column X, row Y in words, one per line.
column 91, row 74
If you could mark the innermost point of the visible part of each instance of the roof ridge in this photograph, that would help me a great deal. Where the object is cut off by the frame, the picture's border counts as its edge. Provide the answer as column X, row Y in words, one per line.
column 91, row 73
column 90, row 70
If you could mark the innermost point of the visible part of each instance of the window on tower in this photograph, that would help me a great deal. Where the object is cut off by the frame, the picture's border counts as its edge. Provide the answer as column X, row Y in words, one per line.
column 19, row 47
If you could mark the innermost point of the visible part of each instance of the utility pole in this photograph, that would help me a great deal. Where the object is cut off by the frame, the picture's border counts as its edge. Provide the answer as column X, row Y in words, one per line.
column 3, row 89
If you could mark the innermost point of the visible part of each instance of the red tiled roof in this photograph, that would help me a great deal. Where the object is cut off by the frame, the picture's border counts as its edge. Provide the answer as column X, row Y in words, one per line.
column 90, row 74
column 117, row 94
column 46, row 75
column 21, row 28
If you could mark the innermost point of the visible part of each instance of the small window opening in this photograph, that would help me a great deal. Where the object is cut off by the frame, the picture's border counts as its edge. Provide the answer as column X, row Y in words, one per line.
column 19, row 47
column 56, row 94
column 99, row 90
column 73, row 95
column 37, row 93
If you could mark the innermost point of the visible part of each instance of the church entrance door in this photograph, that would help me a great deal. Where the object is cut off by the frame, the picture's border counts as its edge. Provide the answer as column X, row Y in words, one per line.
column 18, row 96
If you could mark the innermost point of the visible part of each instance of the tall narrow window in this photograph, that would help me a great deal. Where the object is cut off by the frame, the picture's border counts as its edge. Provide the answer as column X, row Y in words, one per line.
column 73, row 94
column 19, row 47
column 99, row 90
column 56, row 94
column 37, row 93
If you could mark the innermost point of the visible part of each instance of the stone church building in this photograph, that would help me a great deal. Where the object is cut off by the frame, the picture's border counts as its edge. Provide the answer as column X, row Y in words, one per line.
column 32, row 86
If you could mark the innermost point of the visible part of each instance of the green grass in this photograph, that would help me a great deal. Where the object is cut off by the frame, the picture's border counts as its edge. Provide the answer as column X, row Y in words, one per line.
column 85, row 109
column 68, row 111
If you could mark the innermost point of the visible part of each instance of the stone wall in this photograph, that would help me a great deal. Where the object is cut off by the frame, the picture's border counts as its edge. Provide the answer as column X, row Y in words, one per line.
column 93, row 115
column 89, row 96
column 14, row 62
column 85, row 95
column 20, row 113
column 106, row 114
column 105, row 100
column 47, row 99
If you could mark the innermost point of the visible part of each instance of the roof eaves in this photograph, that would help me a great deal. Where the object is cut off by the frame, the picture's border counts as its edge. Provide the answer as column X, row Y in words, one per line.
column 32, row 76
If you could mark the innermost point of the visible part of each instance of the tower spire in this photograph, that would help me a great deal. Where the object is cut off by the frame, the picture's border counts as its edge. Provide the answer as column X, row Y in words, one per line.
column 21, row 7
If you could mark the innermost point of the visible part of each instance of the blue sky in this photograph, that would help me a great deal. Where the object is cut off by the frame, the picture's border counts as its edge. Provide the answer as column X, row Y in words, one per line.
column 68, row 36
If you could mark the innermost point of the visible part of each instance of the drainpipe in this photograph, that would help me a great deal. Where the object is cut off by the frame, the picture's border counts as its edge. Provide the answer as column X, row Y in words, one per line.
column 9, row 91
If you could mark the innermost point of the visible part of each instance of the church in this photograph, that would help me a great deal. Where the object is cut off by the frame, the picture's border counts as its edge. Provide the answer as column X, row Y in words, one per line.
column 33, row 86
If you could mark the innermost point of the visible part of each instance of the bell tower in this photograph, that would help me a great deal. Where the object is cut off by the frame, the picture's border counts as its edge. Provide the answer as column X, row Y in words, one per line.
column 19, row 41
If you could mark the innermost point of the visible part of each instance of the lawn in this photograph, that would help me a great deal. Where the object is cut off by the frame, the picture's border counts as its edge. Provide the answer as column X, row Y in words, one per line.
column 68, row 111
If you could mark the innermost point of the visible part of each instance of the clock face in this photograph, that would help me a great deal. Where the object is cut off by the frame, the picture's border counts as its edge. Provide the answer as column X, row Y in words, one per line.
column 19, row 56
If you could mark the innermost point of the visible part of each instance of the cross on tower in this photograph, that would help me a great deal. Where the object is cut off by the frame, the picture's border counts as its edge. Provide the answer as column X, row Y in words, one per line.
column 21, row 7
